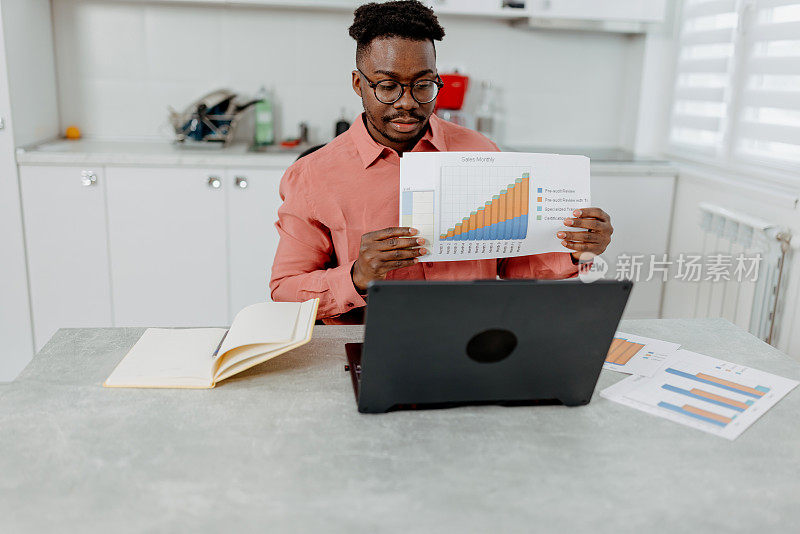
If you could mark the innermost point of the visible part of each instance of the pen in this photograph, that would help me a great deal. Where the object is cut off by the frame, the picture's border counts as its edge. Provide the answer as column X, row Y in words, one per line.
column 220, row 343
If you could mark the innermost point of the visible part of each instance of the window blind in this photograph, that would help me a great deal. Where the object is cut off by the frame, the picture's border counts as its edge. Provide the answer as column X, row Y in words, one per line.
column 768, row 118
column 704, row 72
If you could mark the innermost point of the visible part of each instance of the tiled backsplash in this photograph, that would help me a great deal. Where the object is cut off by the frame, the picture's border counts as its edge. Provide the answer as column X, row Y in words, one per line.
column 120, row 64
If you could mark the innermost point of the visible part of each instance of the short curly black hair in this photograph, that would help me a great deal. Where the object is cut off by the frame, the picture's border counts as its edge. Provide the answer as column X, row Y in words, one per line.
column 409, row 19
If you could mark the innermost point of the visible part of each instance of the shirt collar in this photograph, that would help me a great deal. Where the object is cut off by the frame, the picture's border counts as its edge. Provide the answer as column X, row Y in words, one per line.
column 369, row 150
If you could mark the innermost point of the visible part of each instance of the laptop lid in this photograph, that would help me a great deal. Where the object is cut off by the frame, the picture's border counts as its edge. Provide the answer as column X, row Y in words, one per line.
column 486, row 341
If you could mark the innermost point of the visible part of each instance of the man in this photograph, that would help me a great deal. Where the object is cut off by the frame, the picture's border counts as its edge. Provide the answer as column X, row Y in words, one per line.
column 338, row 220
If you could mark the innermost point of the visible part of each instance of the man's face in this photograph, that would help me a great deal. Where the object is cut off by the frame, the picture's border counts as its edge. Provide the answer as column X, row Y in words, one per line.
column 400, row 124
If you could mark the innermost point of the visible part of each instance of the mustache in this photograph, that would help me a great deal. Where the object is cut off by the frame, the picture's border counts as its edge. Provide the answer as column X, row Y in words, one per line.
column 404, row 116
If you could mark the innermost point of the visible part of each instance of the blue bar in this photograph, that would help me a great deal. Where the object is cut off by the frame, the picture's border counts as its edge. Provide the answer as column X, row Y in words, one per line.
column 524, row 226
column 709, row 382
column 408, row 202
column 762, row 389
column 688, row 393
column 681, row 411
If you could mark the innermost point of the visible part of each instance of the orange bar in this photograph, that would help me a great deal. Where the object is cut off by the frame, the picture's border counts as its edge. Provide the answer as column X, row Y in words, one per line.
column 510, row 202
column 451, row 232
column 524, row 191
column 465, row 227
column 473, row 222
column 458, row 229
column 495, row 212
column 479, row 217
column 501, row 206
column 623, row 351
column 612, row 349
column 512, row 195
column 628, row 350
column 730, row 384
column 517, row 200
column 710, row 415
column 720, row 398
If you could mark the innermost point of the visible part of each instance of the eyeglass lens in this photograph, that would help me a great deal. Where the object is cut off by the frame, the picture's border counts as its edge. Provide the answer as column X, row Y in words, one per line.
column 390, row 92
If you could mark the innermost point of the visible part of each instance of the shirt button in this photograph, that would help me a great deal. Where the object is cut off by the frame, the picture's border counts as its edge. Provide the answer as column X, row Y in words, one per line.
column 428, row 264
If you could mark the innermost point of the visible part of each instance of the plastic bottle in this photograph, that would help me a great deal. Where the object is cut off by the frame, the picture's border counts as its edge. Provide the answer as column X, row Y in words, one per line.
column 264, row 119
column 485, row 112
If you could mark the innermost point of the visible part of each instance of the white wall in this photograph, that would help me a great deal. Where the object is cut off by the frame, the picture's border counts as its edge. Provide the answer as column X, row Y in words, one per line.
column 120, row 64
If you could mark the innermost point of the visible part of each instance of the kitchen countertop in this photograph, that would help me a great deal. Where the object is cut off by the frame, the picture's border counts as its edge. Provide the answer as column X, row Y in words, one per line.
column 605, row 161
column 282, row 448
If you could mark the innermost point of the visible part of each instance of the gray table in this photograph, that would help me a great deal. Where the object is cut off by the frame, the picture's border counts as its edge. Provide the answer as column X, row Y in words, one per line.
column 283, row 449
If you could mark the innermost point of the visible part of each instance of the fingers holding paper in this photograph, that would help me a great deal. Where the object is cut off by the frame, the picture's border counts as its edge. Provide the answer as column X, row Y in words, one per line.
column 596, row 233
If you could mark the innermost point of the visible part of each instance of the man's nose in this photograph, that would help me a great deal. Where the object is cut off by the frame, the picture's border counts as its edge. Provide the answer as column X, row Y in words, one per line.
column 406, row 101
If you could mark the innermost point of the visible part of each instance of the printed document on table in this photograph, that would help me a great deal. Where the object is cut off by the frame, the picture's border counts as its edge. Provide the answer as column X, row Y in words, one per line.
column 482, row 205
column 638, row 355
column 711, row 395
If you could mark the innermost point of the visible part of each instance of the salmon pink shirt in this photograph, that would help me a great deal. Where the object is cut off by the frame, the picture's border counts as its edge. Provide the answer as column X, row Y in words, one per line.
column 349, row 187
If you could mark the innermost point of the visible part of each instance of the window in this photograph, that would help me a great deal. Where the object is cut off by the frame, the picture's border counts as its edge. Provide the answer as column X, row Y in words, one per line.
column 737, row 92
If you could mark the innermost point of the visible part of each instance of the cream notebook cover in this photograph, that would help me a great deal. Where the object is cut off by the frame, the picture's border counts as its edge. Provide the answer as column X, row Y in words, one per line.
column 201, row 357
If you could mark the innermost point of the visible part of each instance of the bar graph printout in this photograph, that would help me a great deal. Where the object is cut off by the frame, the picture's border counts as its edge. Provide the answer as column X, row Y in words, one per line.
column 638, row 355
column 695, row 390
column 480, row 205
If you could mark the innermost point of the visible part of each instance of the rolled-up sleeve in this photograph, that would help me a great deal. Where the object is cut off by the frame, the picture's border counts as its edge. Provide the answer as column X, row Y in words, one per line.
column 550, row 265
column 305, row 250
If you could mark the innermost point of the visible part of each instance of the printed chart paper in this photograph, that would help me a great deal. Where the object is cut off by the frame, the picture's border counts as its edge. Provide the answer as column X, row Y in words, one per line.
column 481, row 205
column 638, row 355
column 711, row 395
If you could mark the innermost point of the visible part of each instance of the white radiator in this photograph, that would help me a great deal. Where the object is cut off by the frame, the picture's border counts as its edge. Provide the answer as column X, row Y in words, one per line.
column 753, row 301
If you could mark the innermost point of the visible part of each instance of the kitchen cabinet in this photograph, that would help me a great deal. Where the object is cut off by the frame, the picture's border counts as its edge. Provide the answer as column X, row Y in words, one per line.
column 641, row 210
column 64, row 215
column 252, row 201
column 168, row 250
column 618, row 10
column 28, row 113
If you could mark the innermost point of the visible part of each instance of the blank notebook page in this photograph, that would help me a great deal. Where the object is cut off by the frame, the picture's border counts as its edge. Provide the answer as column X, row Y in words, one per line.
column 169, row 357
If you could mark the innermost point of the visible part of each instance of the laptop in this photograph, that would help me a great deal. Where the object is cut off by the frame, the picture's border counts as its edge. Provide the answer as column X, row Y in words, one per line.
column 442, row 344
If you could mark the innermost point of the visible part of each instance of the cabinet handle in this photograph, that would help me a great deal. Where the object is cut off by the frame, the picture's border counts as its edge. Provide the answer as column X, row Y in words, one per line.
column 214, row 182
column 88, row 178
column 241, row 182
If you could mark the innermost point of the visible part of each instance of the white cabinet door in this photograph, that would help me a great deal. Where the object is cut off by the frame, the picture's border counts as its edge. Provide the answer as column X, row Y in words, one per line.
column 618, row 10
column 253, row 202
column 65, row 233
column 168, row 250
column 641, row 210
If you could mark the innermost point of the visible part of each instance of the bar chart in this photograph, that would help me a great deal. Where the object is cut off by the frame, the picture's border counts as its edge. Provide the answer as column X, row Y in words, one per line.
column 622, row 350
column 698, row 391
column 487, row 203
column 707, row 398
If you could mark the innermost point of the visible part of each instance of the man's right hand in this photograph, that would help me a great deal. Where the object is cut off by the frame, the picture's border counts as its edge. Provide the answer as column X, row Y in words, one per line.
column 383, row 251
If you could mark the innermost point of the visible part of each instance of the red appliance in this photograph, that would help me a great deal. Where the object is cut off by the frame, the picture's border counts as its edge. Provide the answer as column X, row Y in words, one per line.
column 451, row 96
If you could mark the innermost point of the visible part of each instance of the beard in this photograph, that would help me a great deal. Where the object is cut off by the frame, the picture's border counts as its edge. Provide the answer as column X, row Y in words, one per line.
column 381, row 123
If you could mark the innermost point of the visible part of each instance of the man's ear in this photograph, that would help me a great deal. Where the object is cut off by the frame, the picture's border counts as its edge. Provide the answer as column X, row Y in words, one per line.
column 356, row 83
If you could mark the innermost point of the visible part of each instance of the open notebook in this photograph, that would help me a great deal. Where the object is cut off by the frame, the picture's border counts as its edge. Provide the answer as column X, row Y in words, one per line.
column 201, row 357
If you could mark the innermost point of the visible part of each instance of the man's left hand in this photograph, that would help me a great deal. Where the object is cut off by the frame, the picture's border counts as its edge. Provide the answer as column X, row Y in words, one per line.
column 595, row 240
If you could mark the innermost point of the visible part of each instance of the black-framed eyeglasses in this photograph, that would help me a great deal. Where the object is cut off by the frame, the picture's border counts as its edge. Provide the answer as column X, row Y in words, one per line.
column 390, row 91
